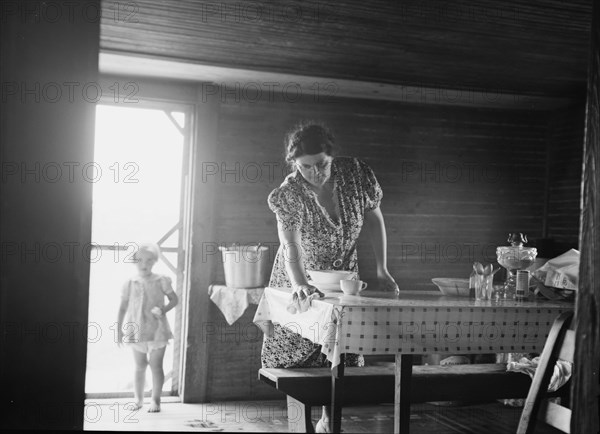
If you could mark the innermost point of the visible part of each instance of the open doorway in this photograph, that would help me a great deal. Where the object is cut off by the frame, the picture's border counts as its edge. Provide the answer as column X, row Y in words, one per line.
column 139, row 174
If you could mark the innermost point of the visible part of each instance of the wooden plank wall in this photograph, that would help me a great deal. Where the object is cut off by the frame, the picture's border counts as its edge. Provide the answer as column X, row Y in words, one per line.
column 456, row 180
column 234, row 358
column 585, row 417
column 564, row 178
column 523, row 47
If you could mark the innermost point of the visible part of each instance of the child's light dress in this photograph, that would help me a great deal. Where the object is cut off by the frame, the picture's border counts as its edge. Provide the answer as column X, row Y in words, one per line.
column 142, row 330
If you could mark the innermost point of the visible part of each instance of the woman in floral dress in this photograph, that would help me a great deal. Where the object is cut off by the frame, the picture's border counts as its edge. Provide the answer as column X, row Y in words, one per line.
column 321, row 208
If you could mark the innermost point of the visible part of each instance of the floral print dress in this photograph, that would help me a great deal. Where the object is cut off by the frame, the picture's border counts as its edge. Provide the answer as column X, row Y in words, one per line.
column 324, row 241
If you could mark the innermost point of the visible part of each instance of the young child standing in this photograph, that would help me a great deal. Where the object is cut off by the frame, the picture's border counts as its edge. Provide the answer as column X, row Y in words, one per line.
column 142, row 324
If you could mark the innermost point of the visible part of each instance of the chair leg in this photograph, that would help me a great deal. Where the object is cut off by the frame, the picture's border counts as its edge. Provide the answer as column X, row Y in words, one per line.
column 299, row 419
column 539, row 385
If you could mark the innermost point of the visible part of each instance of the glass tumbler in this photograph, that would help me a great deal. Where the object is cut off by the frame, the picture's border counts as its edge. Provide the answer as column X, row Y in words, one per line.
column 484, row 287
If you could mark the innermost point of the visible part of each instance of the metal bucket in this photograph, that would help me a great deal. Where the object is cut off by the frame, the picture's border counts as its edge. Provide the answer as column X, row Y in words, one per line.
column 245, row 266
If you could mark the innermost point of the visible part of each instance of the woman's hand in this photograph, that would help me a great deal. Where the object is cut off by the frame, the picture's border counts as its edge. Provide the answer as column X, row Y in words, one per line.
column 304, row 291
column 301, row 298
column 375, row 225
column 386, row 281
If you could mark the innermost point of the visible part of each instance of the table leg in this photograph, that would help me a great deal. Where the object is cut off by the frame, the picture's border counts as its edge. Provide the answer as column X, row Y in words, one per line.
column 403, row 374
column 337, row 390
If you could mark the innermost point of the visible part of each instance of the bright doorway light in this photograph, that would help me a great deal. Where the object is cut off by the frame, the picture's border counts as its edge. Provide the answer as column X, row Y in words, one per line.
column 139, row 166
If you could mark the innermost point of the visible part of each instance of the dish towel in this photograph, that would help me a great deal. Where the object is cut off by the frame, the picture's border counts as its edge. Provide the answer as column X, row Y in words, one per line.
column 560, row 376
column 233, row 302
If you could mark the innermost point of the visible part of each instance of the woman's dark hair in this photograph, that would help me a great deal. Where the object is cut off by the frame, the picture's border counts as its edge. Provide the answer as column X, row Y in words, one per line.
column 308, row 138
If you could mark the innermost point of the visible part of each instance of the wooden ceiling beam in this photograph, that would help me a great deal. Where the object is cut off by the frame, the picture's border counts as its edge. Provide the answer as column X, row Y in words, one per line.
column 230, row 83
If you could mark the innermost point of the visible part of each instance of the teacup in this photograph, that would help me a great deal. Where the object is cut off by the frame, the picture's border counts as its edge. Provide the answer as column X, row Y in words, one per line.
column 352, row 287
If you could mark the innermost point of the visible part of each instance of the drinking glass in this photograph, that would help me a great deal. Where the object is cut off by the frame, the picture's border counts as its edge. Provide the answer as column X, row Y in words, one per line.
column 484, row 287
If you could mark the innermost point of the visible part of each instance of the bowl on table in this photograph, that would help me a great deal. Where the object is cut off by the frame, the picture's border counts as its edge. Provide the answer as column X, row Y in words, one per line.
column 451, row 286
column 329, row 280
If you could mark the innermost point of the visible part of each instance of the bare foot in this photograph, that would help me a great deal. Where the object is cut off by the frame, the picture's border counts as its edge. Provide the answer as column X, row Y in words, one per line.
column 154, row 407
column 133, row 406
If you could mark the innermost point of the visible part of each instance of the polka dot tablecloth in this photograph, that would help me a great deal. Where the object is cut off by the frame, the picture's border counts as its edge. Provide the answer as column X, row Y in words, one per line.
column 415, row 322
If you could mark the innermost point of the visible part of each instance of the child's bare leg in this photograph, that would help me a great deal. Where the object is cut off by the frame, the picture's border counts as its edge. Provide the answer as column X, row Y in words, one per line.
column 158, row 377
column 141, row 363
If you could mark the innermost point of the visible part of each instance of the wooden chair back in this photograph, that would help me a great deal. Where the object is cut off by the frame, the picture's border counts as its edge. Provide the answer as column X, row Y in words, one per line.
column 559, row 345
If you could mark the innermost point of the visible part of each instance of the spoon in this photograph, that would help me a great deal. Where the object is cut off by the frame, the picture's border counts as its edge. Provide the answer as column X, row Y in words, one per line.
column 488, row 270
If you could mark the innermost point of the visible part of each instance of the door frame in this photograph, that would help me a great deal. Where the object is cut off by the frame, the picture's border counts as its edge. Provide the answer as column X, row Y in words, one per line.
column 135, row 92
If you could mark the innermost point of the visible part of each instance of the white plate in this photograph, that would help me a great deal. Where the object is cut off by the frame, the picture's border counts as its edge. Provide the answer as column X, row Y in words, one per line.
column 328, row 287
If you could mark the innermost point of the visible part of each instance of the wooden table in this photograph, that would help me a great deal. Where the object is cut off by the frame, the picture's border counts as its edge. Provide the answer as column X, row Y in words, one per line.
column 408, row 324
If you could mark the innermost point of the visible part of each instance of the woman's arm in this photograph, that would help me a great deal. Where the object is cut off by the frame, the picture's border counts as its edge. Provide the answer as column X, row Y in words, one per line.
column 375, row 226
column 292, row 255
column 294, row 266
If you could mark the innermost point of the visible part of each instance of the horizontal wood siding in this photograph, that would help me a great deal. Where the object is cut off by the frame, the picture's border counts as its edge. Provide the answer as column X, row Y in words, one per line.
column 456, row 180
column 564, row 178
column 511, row 46
column 234, row 358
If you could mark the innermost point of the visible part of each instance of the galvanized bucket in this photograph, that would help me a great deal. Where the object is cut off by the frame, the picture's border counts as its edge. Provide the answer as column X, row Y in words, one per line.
column 245, row 266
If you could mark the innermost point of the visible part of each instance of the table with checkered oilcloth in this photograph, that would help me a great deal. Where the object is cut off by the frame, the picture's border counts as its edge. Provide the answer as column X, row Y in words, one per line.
column 413, row 322
column 407, row 324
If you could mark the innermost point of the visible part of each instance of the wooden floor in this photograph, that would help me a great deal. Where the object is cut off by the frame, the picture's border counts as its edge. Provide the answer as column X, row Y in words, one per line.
column 271, row 416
